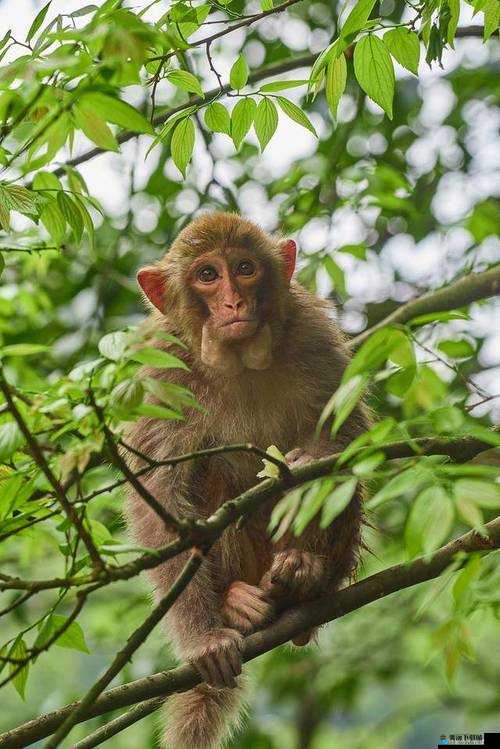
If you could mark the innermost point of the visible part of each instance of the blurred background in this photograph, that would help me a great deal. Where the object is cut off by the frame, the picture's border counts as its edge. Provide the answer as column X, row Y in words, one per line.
column 382, row 211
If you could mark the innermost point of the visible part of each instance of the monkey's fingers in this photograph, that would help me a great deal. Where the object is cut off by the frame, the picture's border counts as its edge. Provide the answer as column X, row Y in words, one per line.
column 247, row 608
column 297, row 457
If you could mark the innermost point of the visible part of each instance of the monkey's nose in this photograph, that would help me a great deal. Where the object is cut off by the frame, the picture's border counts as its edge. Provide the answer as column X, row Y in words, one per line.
column 234, row 304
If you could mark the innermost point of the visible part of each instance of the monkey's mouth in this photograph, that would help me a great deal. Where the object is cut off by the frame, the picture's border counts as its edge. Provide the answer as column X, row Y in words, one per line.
column 239, row 327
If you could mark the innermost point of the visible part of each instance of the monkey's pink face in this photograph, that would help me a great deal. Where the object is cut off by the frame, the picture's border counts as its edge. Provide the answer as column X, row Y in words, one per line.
column 229, row 286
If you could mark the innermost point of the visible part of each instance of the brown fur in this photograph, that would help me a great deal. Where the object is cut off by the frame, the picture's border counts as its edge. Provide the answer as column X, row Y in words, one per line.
column 279, row 405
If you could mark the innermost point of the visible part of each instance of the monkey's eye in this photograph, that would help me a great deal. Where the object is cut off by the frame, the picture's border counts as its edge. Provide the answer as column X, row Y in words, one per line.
column 207, row 274
column 245, row 268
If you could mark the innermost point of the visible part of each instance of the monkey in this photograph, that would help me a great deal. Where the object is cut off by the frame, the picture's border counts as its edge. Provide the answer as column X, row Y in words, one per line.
column 263, row 356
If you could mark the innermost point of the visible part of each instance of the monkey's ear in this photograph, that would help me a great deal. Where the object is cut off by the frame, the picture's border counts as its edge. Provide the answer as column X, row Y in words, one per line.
column 151, row 279
column 289, row 254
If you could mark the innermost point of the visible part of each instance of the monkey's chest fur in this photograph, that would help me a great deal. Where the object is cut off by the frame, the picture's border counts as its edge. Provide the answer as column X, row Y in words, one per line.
column 259, row 411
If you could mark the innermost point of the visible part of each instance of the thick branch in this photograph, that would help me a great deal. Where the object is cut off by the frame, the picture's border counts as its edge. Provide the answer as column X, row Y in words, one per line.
column 290, row 625
column 466, row 290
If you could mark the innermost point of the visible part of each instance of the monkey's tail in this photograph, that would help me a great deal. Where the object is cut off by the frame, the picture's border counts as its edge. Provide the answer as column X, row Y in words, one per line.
column 203, row 717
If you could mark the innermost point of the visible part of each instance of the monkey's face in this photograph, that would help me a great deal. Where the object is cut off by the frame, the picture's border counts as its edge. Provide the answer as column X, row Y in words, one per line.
column 224, row 284
column 230, row 288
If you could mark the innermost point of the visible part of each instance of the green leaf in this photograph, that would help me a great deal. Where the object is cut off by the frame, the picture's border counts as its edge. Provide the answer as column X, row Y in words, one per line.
column 335, row 82
column 11, row 440
column 330, row 53
column 342, row 402
column 447, row 419
column 19, row 650
column 217, row 118
column 454, row 6
column 117, row 111
column 94, row 128
column 72, row 638
column 338, row 501
column 461, row 590
column 71, row 212
column 491, row 18
column 296, row 114
column 155, row 357
column 153, row 411
column 271, row 88
column 54, row 221
column 336, row 275
column 407, row 481
column 374, row 352
column 127, row 394
column 238, row 76
column 46, row 181
column 182, row 144
column 86, row 217
column 460, row 349
column 266, row 122
column 186, row 82
column 404, row 46
column 367, row 465
column 242, row 118
column 266, row 5
column 113, row 345
column 18, row 198
column 311, row 504
column 357, row 18
column 429, row 522
column 483, row 493
column 39, row 19
column 470, row 513
column 23, row 349
column 284, row 513
column 374, row 71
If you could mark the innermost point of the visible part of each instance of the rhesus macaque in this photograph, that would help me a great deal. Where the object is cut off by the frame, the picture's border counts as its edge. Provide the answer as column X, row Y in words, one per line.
column 264, row 357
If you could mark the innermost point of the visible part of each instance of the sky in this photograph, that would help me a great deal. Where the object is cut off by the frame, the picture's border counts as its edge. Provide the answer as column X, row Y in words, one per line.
column 424, row 263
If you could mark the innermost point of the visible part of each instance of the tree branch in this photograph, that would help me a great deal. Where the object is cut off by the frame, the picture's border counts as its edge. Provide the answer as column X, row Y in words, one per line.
column 291, row 624
column 249, row 502
column 466, row 290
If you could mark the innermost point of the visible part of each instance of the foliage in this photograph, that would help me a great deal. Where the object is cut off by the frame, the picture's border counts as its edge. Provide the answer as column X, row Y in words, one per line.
column 86, row 82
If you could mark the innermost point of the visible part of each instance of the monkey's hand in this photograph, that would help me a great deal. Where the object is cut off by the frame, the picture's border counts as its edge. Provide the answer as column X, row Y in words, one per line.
column 246, row 607
column 218, row 658
column 294, row 575
column 297, row 458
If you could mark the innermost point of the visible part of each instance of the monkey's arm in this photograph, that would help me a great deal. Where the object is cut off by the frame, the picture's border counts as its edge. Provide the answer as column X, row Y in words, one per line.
column 195, row 623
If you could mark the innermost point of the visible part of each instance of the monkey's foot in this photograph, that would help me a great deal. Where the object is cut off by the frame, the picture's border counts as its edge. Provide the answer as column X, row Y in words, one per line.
column 218, row 659
column 246, row 607
column 295, row 575
column 305, row 638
